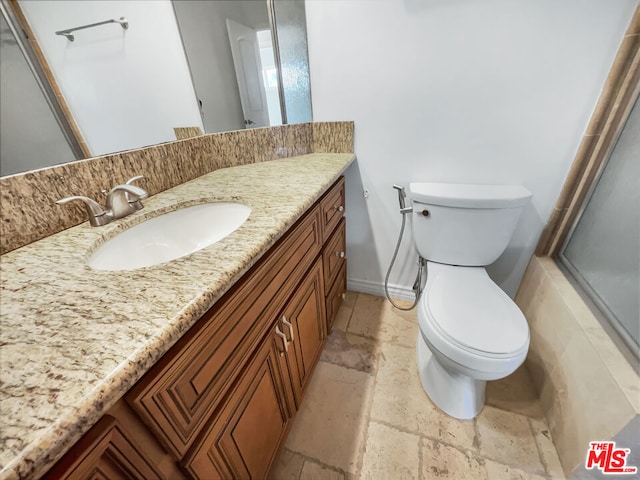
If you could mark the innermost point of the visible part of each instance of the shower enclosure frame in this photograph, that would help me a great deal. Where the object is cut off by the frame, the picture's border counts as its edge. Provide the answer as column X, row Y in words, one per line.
column 616, row 330
column 613, row 108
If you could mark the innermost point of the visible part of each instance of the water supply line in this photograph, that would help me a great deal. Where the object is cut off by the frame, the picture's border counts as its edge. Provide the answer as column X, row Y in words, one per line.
column 417, row 285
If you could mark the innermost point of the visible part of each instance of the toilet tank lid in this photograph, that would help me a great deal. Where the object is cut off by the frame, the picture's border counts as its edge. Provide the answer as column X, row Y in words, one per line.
column 469, row 195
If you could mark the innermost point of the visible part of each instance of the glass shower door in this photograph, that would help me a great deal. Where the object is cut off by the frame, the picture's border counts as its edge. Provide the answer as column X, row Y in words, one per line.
column 294, row 62
column 603, row 250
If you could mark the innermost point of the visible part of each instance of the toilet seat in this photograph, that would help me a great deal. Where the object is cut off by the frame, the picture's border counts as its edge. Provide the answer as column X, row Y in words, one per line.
column 469, row 319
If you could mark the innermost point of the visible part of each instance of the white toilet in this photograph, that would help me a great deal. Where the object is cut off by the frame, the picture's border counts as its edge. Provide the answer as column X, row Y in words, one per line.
column 470, row 330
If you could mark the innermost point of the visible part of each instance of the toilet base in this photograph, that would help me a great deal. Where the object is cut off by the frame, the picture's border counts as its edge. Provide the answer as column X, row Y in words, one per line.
column 457, row 395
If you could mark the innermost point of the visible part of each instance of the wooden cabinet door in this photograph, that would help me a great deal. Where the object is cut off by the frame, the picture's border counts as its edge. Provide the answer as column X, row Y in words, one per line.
column 245, row 436
column 304, row 323
column 105, row 452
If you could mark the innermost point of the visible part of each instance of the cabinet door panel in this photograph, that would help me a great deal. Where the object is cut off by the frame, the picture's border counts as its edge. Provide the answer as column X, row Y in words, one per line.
column 265, row 413
column 305, row 311
column 243, row 439
column 105, row 452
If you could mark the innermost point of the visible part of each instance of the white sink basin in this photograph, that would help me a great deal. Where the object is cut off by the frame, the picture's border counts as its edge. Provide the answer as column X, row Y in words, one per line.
column 170, row 236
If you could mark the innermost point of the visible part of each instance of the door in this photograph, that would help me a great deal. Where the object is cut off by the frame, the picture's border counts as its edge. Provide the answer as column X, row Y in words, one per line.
column 246, row 61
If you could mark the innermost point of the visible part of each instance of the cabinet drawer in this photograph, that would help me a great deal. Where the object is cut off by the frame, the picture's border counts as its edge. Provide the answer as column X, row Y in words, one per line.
column 332, row 208
column 333, row 256
column 245, row 436
column 179, row 394
column 335, row 296
column 105, row 451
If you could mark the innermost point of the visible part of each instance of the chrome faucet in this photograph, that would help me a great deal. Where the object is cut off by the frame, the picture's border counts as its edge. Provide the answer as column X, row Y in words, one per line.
column 122, row 200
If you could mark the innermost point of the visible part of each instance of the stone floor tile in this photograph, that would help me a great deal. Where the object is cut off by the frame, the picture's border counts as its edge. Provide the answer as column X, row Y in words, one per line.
column 367, row 315
column 546, row 448
column 507, row 438
column 351, row 351
column 288, row 466
column 367, row 381
column 498, row 471
column 316, row 471
column 445, row 462
column 390, row 454
column 515, row 393
column 399, row 400
column 375, row 317
column 343, row 317
column 404, row 304
column 350, row 298
column 331, row 423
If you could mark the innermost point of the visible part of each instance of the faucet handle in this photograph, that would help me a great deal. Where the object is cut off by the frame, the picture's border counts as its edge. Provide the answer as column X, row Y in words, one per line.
column 136, row 204
column 97, row 215
column 134, row 179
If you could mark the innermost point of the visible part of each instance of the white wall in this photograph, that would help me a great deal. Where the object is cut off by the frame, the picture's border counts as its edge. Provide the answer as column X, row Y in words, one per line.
column 492, row 91
column 125, row 88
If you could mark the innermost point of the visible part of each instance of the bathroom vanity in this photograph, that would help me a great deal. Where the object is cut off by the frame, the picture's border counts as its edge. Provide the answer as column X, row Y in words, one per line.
column 209, row 390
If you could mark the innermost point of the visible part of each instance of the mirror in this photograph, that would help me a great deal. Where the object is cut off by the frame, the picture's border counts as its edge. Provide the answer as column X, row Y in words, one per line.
column 173, row 67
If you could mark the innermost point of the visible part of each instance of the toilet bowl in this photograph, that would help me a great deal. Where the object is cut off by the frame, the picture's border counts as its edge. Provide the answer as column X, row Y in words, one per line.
column 470, row 331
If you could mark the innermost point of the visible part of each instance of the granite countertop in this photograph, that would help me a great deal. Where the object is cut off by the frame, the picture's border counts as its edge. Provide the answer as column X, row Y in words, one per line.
column 74, row 340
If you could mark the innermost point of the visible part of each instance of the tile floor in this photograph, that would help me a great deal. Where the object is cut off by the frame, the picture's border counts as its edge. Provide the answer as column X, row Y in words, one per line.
column 366, row 416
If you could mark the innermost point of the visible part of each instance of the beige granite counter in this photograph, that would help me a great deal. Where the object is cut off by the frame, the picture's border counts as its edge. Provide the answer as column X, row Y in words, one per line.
column 74, row 340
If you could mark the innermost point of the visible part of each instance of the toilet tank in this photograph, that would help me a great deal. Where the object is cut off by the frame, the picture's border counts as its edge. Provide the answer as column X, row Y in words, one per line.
column 463, row 224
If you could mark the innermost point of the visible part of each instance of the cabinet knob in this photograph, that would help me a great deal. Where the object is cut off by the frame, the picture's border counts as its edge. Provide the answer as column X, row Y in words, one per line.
column 343, row 296
column 289, row 326
column 340, row 254
column 339, row 208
